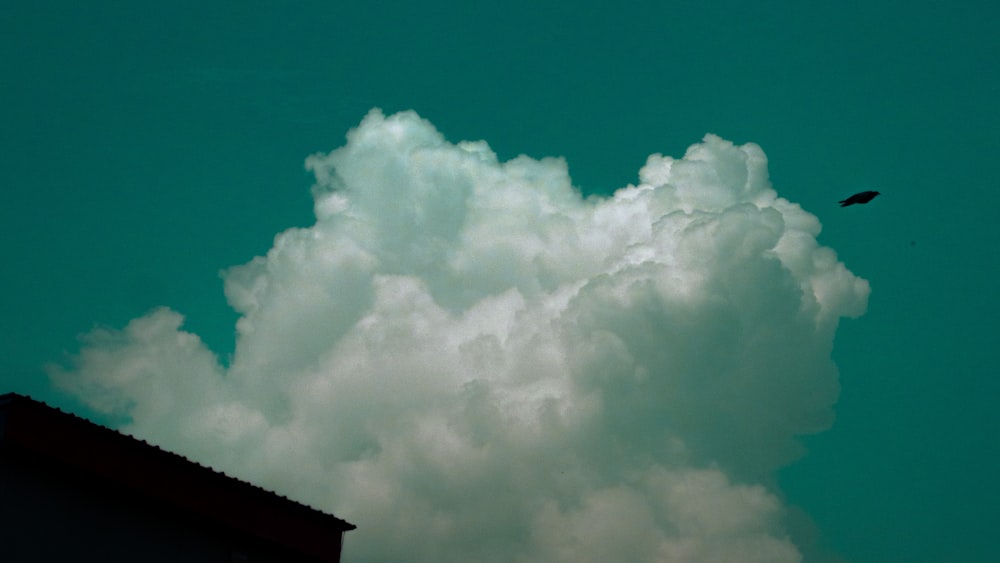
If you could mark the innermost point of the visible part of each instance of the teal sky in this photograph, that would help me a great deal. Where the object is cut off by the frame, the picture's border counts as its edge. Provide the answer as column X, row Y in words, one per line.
column 145, row 149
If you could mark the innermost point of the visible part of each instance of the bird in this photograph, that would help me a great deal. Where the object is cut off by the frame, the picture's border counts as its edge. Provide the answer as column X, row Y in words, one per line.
column 863, row 197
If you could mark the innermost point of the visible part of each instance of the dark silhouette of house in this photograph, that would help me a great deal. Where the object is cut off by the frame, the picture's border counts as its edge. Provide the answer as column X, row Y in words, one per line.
column 71, row 490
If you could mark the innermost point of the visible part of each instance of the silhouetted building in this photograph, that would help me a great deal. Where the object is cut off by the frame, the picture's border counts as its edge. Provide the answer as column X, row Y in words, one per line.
column 71, row 490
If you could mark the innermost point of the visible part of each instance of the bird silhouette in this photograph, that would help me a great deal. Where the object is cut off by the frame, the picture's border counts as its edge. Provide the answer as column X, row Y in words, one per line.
column 863, row 197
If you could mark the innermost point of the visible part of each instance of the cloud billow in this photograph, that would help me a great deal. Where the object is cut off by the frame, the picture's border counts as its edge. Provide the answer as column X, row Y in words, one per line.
column 474, row 363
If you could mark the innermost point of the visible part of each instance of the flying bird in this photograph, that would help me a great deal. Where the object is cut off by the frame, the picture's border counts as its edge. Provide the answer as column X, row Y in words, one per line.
column 863, row 197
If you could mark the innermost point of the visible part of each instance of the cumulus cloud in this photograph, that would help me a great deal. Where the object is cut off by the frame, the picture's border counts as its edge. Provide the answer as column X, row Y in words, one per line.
column 474, row 363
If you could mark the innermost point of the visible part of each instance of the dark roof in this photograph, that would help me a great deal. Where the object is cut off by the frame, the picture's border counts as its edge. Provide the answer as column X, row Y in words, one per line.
column 142, row 468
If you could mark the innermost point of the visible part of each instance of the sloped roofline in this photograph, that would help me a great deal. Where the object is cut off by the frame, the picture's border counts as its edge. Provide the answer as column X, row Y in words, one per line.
column 141, row 468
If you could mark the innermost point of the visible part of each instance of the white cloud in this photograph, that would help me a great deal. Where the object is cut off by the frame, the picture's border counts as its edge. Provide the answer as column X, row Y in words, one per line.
column 473, row 363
